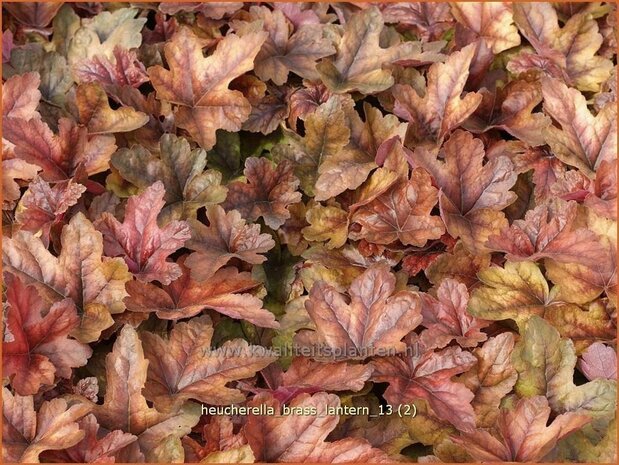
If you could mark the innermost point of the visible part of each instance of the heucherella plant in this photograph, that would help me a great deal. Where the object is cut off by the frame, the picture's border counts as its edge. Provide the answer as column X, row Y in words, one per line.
column 309, row 232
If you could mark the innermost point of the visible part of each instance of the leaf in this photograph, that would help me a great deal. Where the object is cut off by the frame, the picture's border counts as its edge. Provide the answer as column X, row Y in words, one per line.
column 12, row 170
column 589, row 444
column 96, row 114
column 188, row 186
column 125, row 407
column 20, row 96
column 27, row 433
column 472, row 193
column 338, row 150
column 35, row 15
column 142, row 244
column 599, row 195
column 359, row 60
column 492, row 379
column 511, row 108
column 59, row 156
column 374, row 322
column 583, row 140
column 101, row 34
column 185, row 367
column 521, row 434
column 583, row 325
column 301, row 438
column 219, row 436
column 433, row 115
column 517, row 291
column 429, row 21
column 93, row 448
column 545, row 363
column 268, row 193
column 199, row 86
column 492, row 22
column 429, row 377
column 548, row 231
column 580, row 283
column 242, row 454
column 286, row 51
column 122, row 68
column 331, row 376
column 95, row 284
column 36, row 347
column 458, row 264
column 184, row 298
column 225, row 238
column 401, row 214
column 43, row 206
column 446, row 318
column 598, row 362
column 326, row 223
column 568, row 53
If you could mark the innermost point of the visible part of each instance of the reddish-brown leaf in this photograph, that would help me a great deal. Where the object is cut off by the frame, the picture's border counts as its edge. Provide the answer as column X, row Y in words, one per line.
column 95, row 447
column 59, row 156
column 123, row 69
column 267, row 194
column 301, row 438
column 125, row 408
column 226, row 237
column 583, row 140
column 472, row 193
column 184, row 297
column 20, row 96
column 286, row 50
column 491, row 22
column 199, row 85
column 372, row 321
column 428, row 377
column 432, row 116
column 27, row 433
column 428, row 20
column 358, row 64
column 548, row 231
column 401, row 214
column 521, row 434
column 568, row 53
column 446, row 317
column 43, row 206
column 185, row 367
column 326, row 376
column 140, row 242
column 95, row 284
column 36, row 346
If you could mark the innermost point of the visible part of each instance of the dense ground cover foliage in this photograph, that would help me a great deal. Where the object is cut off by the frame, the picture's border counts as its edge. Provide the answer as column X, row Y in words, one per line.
column 383, row 232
